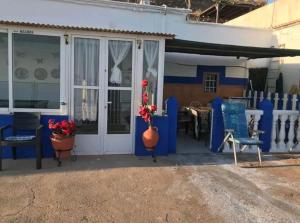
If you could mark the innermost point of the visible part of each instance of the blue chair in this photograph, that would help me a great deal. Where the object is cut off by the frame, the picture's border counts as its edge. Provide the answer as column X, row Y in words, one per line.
column 23, row 122
column 236, row 129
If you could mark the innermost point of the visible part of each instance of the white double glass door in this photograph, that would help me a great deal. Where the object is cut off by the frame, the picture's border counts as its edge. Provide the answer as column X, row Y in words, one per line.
column 103, row 82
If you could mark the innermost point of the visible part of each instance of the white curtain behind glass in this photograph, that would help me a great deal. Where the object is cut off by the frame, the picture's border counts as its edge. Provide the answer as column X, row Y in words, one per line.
column 151, row 66
column 118, row 51
column 87, row 74
column 151, row 54
column 86, row 61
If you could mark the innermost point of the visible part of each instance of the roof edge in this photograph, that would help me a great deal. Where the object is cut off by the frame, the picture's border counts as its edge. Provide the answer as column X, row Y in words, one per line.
column 61, row 27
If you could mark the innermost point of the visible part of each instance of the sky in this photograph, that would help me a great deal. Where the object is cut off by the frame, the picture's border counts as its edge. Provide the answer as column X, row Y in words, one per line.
column 270, row 1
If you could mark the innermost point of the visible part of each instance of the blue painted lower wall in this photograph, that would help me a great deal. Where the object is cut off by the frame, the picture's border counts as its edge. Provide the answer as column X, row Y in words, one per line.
column 172, row 107
column 161, row 122
column 167, row 129
column 217, row 134
column 29, row 152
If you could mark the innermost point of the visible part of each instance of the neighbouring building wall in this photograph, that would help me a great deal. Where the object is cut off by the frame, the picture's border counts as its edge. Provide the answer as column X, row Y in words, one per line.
column 259, row 18
column 270, row 16
column 290, row 66
column 283, row 18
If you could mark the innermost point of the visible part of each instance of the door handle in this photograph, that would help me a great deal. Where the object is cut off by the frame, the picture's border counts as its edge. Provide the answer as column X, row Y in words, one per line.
column 109, row 103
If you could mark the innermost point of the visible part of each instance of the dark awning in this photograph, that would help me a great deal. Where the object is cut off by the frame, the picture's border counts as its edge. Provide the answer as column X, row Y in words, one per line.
column 192, row 47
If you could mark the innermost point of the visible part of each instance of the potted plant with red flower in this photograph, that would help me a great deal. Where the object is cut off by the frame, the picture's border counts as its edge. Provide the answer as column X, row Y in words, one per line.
column 62, row 137
column 150, row 136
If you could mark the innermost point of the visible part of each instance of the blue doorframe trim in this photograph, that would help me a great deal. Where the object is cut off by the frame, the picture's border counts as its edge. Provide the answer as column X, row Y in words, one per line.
column 199, row 77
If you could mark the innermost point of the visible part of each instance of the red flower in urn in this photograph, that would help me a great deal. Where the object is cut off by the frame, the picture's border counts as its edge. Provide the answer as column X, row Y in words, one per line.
column 147, row 111
column 62, row 138
column 65, row 128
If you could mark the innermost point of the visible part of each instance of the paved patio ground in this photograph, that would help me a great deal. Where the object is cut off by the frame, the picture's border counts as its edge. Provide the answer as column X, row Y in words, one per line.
column 178, row 188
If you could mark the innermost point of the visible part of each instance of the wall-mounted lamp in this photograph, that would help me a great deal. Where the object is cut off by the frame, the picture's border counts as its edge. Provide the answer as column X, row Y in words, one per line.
column 66, row 39
column 139, row 43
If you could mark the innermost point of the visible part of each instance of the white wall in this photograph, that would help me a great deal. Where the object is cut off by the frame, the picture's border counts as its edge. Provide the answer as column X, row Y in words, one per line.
column 180, row 70
column 185, row 65
column 237, row 72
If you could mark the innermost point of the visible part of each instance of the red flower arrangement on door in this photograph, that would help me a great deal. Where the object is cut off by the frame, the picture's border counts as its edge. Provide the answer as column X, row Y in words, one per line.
column 150, row 136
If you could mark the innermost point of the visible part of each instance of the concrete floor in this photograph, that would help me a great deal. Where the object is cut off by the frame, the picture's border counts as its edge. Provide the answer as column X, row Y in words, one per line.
column 178, row 188
column 187, row 144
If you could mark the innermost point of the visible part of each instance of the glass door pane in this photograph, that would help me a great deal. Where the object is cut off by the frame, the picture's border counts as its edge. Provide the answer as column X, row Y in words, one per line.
column 118, row 90
column 3, row 70
column 150, row 67
column 119, row 63
column 119, row 87
column 36, row 71
column 86, row 62
column 86, row 110
column 86, row 84
column 119, row 112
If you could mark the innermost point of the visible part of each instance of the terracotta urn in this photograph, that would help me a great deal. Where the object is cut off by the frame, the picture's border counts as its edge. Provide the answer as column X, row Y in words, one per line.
column 62, row 145
column 150, row 138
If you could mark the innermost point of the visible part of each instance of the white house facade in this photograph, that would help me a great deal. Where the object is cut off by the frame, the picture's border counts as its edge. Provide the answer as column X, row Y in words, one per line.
column 85, row 59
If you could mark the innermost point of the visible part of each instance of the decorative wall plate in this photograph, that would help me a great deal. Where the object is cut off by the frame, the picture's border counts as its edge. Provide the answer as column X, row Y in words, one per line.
column 55, row 55
column 55, row 73
column 39, row 60
column 40, row 74
column 21, row 73
column 21, row 54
